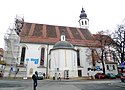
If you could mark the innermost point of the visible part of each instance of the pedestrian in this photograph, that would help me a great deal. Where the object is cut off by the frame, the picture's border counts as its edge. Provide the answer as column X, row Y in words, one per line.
column 44, row 75
column 1, row 74
column 16, row 72
column 93, row 74
column 35, row 78
column 89, row 73
column 59, row 76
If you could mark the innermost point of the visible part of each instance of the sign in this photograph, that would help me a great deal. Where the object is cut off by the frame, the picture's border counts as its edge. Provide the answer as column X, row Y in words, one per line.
column 33, row 60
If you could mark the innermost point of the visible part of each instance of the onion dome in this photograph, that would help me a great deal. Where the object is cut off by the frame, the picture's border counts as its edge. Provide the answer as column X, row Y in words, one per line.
column 83, row 14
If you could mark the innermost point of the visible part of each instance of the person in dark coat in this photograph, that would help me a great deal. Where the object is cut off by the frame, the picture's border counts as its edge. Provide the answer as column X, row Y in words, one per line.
column 35, row 78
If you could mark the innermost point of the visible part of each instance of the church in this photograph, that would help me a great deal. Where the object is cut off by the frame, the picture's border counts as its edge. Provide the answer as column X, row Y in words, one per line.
column 57, row 49
column 53, row 49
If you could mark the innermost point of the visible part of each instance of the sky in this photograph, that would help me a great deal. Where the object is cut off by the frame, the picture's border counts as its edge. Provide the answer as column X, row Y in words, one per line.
column 102, row 14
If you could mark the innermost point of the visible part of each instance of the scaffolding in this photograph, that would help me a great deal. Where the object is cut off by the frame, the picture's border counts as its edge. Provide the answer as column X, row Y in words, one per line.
column 12, row 41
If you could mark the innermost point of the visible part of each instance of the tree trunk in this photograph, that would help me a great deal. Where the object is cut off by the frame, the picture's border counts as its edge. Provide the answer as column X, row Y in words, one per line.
column 103, row 65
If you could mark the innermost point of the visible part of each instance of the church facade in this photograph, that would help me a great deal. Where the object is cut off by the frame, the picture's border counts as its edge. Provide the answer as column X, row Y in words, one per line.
column 54, row 49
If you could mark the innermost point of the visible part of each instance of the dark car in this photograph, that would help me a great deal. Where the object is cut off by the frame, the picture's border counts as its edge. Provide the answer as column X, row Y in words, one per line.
column 99, row 75
column 110, row 76
column 123, row 78
column 119, row 75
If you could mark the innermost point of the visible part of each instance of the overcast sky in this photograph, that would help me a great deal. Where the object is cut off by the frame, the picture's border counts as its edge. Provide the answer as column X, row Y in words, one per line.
column 102, row 14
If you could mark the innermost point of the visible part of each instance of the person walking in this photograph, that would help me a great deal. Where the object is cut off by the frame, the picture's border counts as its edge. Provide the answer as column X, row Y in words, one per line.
column 89, row 73
column 59, row 76
column 35, row 78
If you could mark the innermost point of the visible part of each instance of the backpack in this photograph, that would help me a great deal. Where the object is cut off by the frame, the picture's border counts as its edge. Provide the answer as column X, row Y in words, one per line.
column 34, row 77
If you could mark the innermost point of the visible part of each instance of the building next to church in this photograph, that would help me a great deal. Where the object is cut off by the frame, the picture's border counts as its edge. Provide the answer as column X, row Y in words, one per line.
column 53, row 49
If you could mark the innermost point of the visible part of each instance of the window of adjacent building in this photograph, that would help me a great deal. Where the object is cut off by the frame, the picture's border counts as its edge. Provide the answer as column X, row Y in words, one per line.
column 113, row 67
column 78, row 58
column 107, row 67
column 23, row 55
column 42, row 56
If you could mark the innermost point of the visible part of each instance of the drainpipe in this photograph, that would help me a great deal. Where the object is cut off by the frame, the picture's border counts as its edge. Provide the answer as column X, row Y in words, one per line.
column 47, row 62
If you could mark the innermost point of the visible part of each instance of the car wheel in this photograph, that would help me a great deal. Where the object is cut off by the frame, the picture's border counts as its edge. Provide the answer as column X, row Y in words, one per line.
column 123, row 80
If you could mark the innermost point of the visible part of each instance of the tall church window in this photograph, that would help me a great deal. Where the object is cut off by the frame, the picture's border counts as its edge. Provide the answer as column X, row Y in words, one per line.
column 23, row 55
column 78, row 58
column 42, row 56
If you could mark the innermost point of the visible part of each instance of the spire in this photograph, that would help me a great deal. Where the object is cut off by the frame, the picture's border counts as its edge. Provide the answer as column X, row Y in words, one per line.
column 83, row 14
column 83, row 21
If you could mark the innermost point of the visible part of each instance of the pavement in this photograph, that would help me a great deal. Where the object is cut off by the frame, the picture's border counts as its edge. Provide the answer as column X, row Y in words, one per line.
column 64, row 84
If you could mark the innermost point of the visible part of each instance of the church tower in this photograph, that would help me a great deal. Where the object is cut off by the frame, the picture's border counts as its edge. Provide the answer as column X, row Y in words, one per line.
column 83, row 21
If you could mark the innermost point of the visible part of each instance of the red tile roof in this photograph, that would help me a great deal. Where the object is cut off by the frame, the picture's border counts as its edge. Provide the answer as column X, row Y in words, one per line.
column 50, row 34
column 105, row 39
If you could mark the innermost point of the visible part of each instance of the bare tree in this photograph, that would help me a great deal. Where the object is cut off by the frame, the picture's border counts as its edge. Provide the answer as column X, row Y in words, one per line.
column 104, row 40
column 119, row 42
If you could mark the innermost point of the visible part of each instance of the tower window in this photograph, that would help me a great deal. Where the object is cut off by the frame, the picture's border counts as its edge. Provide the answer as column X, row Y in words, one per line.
column 82, row 23
column 42, row 56
column 23, row 56
column 85, row 22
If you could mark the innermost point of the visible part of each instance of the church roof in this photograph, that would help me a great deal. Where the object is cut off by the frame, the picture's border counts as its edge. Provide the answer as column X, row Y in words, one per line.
column 50, row 34
column 63, row 44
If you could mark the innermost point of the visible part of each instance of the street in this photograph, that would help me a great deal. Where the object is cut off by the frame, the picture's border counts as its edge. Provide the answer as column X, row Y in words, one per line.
column 11, row 84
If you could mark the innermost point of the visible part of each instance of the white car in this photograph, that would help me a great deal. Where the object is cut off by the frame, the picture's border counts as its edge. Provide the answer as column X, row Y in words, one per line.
column 40, row 76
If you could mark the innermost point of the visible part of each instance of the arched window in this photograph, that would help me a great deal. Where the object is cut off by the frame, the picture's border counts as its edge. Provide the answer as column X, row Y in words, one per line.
column 23, row 55
column 78, row 58
column 42, row 56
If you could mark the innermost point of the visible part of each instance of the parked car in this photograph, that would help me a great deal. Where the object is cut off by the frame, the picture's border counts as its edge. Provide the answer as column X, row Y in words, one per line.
column 123, row 78
column 99, row 75
column 110, row 76
column 119, row 75
column 40, row 76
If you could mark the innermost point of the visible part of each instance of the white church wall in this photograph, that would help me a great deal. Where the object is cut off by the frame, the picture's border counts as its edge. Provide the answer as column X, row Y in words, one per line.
column 32, row 56
column 65, row 59
column 61, row 60
column 85, row 61
column 47, row 50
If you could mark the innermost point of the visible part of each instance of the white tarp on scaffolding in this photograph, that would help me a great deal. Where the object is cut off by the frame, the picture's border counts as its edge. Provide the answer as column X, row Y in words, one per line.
column 11, row 52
